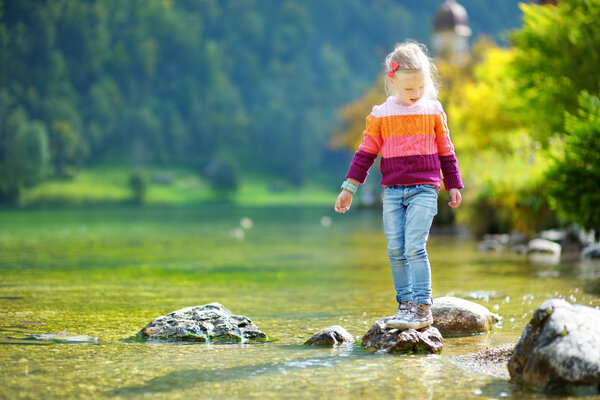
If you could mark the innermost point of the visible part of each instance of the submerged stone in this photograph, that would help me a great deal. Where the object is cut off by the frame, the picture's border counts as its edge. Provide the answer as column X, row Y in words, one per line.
column 330, row 336
column 209, row 322
column 392, row 340
column 491, row 361
column 63, row 337
column 455, row 316
column 559, row 349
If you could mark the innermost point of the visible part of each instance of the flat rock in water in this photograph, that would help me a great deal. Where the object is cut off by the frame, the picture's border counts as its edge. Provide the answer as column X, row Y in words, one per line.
column 454, row 316
column 392, row 340
column 490, row 245
column 559, row 349
column 63, row 337
column 544, row 246
column 330, row 336
column 209, row 322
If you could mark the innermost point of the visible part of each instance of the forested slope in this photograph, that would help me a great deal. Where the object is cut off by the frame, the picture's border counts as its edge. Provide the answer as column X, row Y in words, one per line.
column 255, row 83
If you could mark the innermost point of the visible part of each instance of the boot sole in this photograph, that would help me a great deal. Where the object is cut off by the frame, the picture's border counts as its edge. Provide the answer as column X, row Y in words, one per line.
column 408, row 325
column 397, row 325
column 419, row 325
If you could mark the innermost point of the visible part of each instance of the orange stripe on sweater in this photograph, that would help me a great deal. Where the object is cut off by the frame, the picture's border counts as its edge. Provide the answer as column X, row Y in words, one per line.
column 442, row 135
column 373, row 126
column 402, row 125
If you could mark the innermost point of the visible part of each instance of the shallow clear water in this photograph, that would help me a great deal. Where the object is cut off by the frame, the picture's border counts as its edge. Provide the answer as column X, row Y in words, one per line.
column 107, row 272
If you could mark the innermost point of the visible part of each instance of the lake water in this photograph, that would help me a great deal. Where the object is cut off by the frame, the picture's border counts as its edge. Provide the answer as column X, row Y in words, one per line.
column 107, row 272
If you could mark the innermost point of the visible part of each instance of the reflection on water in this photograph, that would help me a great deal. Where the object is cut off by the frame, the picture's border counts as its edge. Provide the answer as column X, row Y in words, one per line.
column 108, row 272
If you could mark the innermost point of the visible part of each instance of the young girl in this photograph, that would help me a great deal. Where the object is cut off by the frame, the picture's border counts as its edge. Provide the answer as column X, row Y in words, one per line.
column 411, row 132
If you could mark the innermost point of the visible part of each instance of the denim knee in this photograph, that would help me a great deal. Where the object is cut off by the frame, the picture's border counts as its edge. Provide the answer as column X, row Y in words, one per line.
column 415, row 253
column 396, row 255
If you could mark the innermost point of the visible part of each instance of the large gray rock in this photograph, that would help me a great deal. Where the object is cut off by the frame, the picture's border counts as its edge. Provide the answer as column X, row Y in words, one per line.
column 392, row 340
column 559, row 349
column 454, row 316
column 330, row 336
column 209, row 322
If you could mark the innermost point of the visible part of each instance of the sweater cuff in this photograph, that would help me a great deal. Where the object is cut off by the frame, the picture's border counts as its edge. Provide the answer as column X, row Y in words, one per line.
column 453, row 181
column 358, row 173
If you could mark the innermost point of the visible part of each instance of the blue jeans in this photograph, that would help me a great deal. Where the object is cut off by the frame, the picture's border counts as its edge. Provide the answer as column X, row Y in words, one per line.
column 408, row 212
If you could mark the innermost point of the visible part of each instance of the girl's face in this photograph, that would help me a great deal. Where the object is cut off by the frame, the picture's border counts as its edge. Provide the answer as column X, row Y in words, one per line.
column 409, row 86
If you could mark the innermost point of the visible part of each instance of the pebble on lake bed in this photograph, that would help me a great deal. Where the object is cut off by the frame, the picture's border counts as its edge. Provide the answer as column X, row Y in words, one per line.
column 495, row 354
column 491, row 361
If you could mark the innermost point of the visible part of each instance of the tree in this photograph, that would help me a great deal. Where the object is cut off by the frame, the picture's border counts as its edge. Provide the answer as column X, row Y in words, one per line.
column 138, row 186
column 573, row 179
column 502, row 165
column 556, row 57
column 27, row 155
column 510, row 118
column 184, row 82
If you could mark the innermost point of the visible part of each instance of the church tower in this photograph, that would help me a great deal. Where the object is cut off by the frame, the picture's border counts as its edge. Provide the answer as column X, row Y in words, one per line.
column 451, row 32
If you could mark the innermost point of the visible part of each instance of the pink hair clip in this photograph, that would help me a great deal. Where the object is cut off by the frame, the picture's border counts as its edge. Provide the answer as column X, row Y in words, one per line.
column 394, row 67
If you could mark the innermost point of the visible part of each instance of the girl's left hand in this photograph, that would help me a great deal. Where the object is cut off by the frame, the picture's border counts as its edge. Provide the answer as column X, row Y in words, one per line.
column 456, row 198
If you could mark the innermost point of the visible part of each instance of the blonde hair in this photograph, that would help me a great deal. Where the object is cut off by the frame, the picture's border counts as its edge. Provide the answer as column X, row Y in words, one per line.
column 412, row 56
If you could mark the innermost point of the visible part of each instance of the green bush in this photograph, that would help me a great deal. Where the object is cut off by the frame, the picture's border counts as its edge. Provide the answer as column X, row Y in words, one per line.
column 26, row 156
column 138, row 186
column 486, row 215
column 573, row 179
column 223, row 176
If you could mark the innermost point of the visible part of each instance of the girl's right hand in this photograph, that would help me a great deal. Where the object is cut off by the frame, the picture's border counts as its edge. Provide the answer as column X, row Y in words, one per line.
column 343, row 201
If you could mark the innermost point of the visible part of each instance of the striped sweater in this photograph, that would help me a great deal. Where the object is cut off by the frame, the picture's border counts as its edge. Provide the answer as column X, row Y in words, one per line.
column 414, row 142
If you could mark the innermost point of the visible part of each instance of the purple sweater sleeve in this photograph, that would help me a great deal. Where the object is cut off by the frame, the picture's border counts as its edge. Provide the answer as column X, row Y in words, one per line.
column 452, row 178
column 449, row 164
column 359, row 169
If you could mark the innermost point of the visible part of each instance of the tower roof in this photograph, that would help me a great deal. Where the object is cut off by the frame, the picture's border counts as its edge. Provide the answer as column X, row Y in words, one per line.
column 451, row 16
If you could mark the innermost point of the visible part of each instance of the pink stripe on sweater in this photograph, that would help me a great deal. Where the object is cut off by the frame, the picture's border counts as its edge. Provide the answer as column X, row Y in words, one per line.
column 413, row 145
column 371, row 144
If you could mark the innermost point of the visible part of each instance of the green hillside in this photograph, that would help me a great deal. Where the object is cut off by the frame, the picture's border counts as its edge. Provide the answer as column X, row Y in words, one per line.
column 252, row 85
